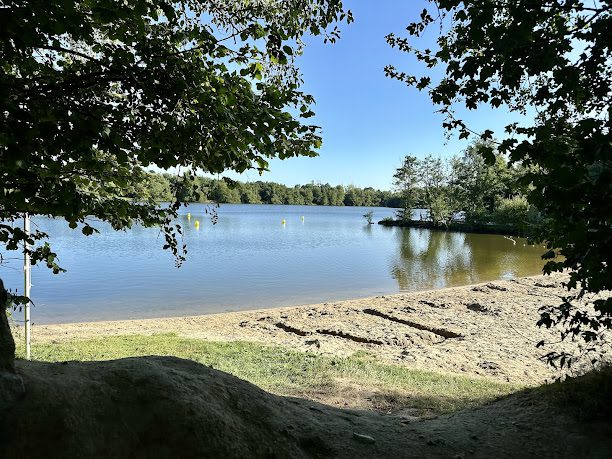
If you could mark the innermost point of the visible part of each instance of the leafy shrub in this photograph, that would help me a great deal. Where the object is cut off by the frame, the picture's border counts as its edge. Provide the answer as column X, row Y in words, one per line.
column 515, row 211
column 402, row 214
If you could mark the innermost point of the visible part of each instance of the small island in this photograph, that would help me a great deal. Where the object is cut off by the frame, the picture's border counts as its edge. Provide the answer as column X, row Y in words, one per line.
column 463, row 227
column 466, row 193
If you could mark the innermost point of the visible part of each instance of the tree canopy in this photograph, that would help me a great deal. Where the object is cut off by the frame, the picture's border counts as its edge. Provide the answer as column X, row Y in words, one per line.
column 548, row 62
column 482, row 193
column 93, row 91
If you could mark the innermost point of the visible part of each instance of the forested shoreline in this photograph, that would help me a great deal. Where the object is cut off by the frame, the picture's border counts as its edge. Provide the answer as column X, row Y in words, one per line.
column 484, row 193
column 166, row 187
column 467, row 192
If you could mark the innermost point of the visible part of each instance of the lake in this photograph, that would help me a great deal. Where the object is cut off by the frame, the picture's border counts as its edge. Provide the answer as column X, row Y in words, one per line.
column 249, row 260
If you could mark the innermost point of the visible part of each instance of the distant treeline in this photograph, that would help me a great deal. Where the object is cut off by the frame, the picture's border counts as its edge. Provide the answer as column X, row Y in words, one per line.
column 202, row 189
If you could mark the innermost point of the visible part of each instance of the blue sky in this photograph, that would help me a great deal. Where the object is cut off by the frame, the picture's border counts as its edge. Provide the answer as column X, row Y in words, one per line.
column 369, row 122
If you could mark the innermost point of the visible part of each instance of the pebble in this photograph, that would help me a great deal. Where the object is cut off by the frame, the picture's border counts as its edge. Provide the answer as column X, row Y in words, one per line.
column 363, row 438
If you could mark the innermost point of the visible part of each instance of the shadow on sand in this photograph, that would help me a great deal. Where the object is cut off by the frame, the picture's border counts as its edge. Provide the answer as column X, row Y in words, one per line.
column 170, row 407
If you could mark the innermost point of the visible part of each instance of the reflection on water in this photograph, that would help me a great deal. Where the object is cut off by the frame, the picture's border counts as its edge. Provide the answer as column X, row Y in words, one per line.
column 250, row 259
column 435, row 259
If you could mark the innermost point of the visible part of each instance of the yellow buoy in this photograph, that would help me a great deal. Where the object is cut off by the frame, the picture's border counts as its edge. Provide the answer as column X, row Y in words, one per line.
column 302, row 218
column 188, row 215
column 283, row 222
column 197, row 224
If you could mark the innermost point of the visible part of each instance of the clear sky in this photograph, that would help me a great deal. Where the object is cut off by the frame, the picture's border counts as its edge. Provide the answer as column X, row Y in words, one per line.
column 369, row 122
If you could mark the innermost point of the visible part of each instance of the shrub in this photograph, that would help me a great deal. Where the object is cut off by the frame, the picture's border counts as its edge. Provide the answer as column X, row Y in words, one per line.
column 515, row 211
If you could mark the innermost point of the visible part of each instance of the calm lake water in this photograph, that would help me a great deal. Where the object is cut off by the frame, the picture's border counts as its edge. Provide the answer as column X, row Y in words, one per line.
column 249, row 259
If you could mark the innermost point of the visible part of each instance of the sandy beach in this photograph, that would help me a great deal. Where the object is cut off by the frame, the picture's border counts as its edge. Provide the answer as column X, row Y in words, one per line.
column 485, row 329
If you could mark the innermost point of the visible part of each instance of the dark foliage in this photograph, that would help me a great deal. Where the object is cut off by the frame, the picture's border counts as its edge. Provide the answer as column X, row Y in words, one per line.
column 551, row 58
column 94, row 92
column 203, row 189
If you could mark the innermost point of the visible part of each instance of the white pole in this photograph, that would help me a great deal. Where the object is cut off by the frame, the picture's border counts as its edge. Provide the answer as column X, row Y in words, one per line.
column 27, row 281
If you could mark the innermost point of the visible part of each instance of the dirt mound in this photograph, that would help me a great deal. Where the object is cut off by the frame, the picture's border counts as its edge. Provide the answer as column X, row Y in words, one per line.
column 169, row 407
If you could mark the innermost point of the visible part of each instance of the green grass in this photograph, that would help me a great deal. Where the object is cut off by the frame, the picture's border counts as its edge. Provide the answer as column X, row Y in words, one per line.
column 589, row 397
column 358, row 381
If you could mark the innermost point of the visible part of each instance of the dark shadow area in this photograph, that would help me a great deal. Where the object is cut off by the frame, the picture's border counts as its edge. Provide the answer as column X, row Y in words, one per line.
column 170, row 407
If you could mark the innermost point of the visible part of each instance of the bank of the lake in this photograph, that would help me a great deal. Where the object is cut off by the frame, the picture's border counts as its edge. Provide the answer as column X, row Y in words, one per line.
column 461, row 227
column 486, row 330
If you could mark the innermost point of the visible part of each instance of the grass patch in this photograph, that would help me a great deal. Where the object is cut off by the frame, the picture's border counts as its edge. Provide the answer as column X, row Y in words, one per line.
column 588, row 397
column 358, row 381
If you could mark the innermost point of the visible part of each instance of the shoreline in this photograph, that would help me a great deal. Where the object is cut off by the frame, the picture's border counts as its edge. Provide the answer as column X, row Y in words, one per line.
column 457, row 227
column 263, row 310
column 486, row 329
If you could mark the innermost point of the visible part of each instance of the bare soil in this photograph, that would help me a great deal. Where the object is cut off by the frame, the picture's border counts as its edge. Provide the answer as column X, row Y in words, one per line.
column 168, row 407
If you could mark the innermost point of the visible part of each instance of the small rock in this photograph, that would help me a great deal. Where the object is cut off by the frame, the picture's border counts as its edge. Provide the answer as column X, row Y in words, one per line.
column 489, row 366
column 477, row 307
column 313, row 342
column 407, row 419
column 363, row 438
column 431, row 304
column 543, row 285
column 497, row 287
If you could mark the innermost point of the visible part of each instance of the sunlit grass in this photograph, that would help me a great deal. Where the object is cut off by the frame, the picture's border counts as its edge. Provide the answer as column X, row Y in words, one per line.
column 358, row 381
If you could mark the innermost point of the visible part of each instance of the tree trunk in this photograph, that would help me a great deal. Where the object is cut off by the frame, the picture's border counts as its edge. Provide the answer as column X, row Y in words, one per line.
column 11, row 385
column 7, row 345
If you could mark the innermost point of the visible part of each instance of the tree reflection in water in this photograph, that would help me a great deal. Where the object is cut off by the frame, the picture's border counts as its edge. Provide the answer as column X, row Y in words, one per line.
column 434, row 259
